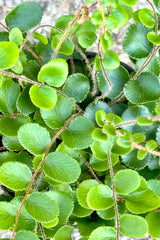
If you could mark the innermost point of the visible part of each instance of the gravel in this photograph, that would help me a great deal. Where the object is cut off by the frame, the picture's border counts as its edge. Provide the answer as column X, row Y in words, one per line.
column 53, row 9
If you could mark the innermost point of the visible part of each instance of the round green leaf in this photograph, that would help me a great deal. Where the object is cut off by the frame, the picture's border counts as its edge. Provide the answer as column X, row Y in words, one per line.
column 153, row 220
column 102, row 233
column 146, row 17
column 34, row 138
column 61, row 167
column 8, row 214
column 141, row 90
column 78, row 133
column 54, row 72
column 18, row 67
column 83, row 190
column 86, row 39
column 11, row 143
column 80, row 211
column 130, row 3
column 111, row 22
column 56, row 117
column 43, row 39
column 99, row 197
column 64, row 233
column 153, row 66
column 25, row 235
column 15, row 36
column 154, row 38
column 136, row 43
column 44, row 97
column 66, row 47
column 96, row 17
column 133, row 226
column 126, row 181
column 81, row 86
column 121, row 14
column 98, row 135
column 41, row 207
column 25, row 16
column 110, row 60
column 144, row 121
column 9, row 55
column 50, row 224
column 15, row 175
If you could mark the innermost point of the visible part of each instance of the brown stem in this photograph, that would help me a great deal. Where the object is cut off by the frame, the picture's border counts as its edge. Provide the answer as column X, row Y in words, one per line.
column 72, row 64
column 155, row 15
column 102, row 14
column 2, row 148
column 39, row 167
column 12, row 115
column 116, row 99
column 34, row 54
column 114, row 195
column 90, row 169
column 5, row 27
column 140, row 147
column 42, row 231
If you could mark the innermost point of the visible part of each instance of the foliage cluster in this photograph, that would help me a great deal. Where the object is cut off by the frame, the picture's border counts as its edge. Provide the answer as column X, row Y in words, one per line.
column 80, row 132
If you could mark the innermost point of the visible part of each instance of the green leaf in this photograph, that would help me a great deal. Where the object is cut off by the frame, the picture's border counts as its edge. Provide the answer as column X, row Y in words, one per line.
column 118, row 78
column 9, row 92
column 86, row 39
column 56, row 117
column 11, row 143
column 25, row 16
column 141, row 154
column 50, row 224
column 154, row 38
column 15, row 36
column 34, row 138
column 61, row 167
column 78, row 133
column 153, row 66
column 83, row 190
column 41, row 207
column 77, row 86
column 99, row 197
column 110, row 60
column 158, row 135
column 54, row 72
column 138, row 137
column 154, row 185
column 66, row 47
column 144, row 121
column 146, row 17
column 25, row 235
column 18, row 68
column 8, row 214
column 126, row 181
column 100, row 117
column 45, row 52
column 102, row 233
column 153, row 220
column 80, row 211
column 99, row 165
column 121, row 14
column 96, row 17
column 136, row 43
column 123, row 142
column 43, row 39
column 24, row 104
column 98, row 135
column 111, row 22
column 15, row 175
column 142, row 90
column 64, row 233
column 44, row 97
column 109, row 129
column 130, row 3
column 129, row 223
column 92, row 108
column 9, row 54
column 113, row 118
column 9, row 126
column 100, row 149
column 151, row 144
column 31, row 69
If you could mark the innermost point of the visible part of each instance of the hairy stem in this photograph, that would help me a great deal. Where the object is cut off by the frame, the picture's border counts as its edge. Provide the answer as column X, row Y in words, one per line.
column 42, row 231
column 34, row 54
column 39, row 167
column 140, row 147
column 114, row 194
column 103, row 17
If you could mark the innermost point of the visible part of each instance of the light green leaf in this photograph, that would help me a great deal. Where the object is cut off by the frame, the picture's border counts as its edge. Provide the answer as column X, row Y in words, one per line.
column 18, row 67
column 43, row 39
column 78, row 133
column 151, row 144
column 136, row 43
column 77, row 86
column 113, row 118
column 78, row 210
column 96, row 17
column 126, row 181
column 64, row 233
column 102, row 233
column 56, row 117
column 41, row 207
column 11, row 143
column 51, row 224
column 138, row 137
column 25, row 16
column 9, row 55
column 24, row 104
column 110, row 212
column 25, row 235
column 141, row 154
column 54, row 72
column 44, row 97
column 142, row 90
column 144, row 121
column 110, row 60
column 133, row 226
column 15, row 175
column 66, row 47
column 146, row 17
column 15, row 36
column 98, row 135
column 154, row 38
column 61, row 167
column 153, row 220
column 8, row 214
column 34, row 138
column 100, row 149
column 111, row 22
column 130, row 3
column 99, row 165
column 121, row 14
column 99, row 197
column 9, row 92
column 86, row 39
column 83, row 190
column 9, row 126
